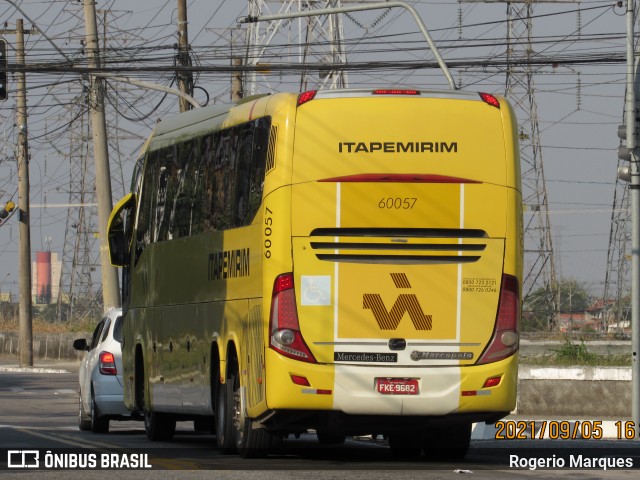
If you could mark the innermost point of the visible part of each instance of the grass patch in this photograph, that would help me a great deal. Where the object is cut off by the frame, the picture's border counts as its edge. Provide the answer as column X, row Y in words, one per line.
column 39, row 325
column 572, row 354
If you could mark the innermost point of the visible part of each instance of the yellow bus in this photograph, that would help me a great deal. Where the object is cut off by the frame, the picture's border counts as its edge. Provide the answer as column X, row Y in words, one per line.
column 347, row 262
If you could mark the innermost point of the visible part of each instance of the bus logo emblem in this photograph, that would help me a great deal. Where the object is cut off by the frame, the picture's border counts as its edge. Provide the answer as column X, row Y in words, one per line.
column 405, row 303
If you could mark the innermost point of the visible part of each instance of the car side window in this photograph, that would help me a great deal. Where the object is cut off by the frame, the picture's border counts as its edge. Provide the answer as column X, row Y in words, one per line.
column 96, row 335
column 105, row 329
column 117, row 330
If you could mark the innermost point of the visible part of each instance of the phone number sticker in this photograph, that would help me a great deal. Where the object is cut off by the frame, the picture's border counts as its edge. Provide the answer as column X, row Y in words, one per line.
column 479, row 285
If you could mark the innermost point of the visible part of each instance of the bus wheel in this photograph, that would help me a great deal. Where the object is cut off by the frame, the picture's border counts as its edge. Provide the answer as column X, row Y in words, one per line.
column 257, row 443
column 405, row 444
column 327, row 438
column 159, row 426
column 451, row 443
column 234, row 430
column 225, row 438
column 204, row 424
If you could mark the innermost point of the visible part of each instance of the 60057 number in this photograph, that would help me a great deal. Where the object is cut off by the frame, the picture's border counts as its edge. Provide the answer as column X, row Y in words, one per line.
column 268, row 222
column 397, row 203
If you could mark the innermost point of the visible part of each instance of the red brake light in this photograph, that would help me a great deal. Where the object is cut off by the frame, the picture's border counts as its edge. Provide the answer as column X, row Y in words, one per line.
column 284, row 328
column 395, row 91
column 504, row 342
column 107, row 364
column 492, row 382
column 307, row 96
column 299, row 380
column 490, row 99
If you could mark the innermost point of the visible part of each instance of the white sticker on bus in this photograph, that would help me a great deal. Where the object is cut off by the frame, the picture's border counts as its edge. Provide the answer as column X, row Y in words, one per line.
column 316, row 290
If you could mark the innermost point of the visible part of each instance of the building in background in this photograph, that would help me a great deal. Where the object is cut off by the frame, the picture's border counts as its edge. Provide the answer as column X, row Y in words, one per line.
column 45, row 278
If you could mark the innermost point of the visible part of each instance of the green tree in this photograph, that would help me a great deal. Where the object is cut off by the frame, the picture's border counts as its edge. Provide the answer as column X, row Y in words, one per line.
column 540, row 306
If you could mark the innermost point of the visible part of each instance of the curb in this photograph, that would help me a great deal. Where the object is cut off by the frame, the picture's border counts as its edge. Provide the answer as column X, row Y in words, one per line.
column 16, row 369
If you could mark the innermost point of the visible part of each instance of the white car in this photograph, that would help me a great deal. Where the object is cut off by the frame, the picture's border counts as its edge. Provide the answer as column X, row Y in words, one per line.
column 101, row 397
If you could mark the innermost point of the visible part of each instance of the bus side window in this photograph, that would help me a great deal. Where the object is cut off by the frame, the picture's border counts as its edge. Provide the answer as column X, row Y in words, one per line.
column 243, row 175
column 224, row 176
column 143, row 231
column 177, row 203
column 262, row 128
column 195, row 187
column 250, row 168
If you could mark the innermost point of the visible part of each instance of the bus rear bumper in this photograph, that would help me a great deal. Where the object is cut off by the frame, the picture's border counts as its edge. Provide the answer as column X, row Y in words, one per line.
column 436, row 391
column 290, row 421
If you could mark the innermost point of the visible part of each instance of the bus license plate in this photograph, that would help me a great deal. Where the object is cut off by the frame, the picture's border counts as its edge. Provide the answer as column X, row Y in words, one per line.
column 398, row 386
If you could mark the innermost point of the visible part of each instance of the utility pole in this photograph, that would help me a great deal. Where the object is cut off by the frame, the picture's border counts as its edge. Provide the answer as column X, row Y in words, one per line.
column 24, row 264
column 631, row 131
column 110, row 287
column 185, row 79
column 236, row 80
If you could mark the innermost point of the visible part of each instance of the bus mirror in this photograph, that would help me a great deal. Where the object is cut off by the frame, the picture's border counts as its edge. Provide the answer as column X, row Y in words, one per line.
column 119, row 231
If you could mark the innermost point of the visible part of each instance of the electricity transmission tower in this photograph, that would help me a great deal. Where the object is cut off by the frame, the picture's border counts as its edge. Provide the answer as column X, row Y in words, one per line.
column 539, row 274
column 617, row 279
column 539, row 268
column 77, row 290
column 315, row 39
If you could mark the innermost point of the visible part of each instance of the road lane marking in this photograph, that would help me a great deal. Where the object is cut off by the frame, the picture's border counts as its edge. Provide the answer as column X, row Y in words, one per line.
column 83, row 443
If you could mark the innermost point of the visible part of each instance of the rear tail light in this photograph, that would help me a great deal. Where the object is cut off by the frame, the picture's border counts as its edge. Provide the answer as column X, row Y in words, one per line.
column 490, row 99
column 504, row 342
column 107, row 364
column 285, row 335
column 307, row 96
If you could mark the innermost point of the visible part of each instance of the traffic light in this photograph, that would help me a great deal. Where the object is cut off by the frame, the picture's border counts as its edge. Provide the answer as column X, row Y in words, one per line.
column 624, row 152
column 8, row 208
column 3, row 69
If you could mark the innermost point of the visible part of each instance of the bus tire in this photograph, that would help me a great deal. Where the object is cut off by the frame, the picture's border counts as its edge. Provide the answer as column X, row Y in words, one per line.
column 159, row 426
column 257, row 443
column 405, row 444
column 139, row 381
column 225, row 437
column 234, row 432
column 451, row 443
column 204, row 424
column 328, row 438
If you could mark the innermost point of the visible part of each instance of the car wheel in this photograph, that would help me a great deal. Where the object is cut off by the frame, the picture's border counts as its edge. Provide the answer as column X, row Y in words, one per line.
column 84, row 420
column 98, row 424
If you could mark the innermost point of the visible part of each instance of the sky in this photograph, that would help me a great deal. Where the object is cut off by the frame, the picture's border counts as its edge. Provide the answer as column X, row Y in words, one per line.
column 578, row 82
